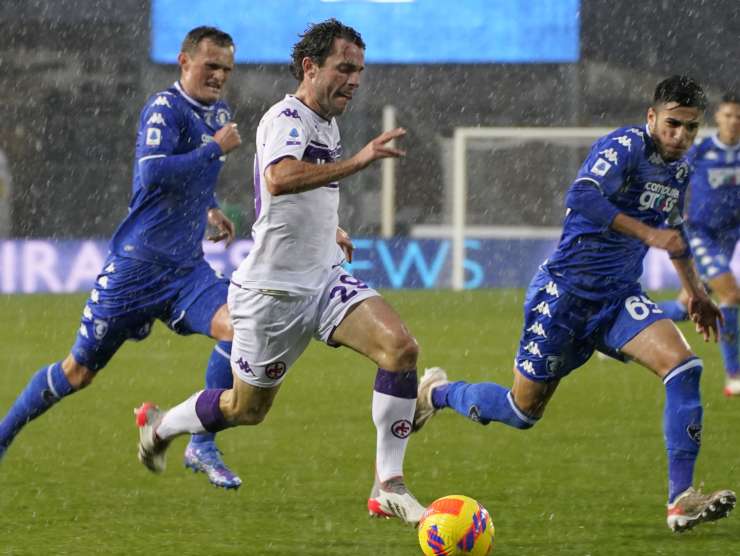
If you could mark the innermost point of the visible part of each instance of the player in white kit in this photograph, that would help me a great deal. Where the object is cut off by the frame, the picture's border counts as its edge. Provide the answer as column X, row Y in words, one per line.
column 291, row 287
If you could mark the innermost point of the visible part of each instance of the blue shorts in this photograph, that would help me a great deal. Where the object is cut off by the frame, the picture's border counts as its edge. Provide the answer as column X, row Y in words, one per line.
column 712, row 249
column 562, row 330
column 130, row 294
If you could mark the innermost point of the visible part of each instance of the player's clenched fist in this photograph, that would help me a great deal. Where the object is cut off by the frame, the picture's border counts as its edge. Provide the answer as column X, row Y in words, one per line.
column 228, row 137
column 380, row 147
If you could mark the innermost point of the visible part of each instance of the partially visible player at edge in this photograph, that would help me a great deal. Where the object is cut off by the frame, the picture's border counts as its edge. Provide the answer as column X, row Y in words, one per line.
column 291, row 288
column 627, row 196
column 155, row 268
column 713, row 227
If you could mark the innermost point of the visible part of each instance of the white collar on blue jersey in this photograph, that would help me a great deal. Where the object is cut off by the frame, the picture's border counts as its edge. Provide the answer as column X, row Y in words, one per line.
column 721, row 145
column 191, row 100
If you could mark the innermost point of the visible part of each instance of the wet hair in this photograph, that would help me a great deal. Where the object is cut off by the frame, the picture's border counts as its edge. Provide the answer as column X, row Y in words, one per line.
column 730, row 97
column 318, row 40
column 199, row 34
column 682, row 89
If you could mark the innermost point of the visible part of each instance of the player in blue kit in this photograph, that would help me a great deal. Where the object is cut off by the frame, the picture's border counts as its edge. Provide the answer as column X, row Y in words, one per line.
column 626, row 197
column 713, row 227
column 155, row 268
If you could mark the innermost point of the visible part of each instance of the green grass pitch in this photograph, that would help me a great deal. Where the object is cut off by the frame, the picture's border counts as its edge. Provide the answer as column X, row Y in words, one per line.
column 588, row 480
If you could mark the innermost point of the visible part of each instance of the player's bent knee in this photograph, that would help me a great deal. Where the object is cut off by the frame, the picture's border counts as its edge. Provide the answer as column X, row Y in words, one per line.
column 78, row 375
column 400, row 352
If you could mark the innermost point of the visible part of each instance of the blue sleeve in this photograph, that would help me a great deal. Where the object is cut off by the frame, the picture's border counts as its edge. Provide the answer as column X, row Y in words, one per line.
column 160, row 128
column 602, row 174
column 584, row 198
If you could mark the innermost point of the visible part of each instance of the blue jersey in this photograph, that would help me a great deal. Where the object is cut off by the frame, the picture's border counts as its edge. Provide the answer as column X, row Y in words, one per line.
column 176, row 166
column 714, row 200
column 592, row 260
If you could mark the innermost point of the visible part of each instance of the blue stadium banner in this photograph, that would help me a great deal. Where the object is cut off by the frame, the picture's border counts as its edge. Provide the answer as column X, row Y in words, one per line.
column 55, row 266
column 395, row 31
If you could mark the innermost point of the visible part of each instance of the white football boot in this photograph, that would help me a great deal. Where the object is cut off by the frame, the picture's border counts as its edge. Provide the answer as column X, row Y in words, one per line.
column 392, row 499
column 152, row 449
column 425, row 410
column 693, row 507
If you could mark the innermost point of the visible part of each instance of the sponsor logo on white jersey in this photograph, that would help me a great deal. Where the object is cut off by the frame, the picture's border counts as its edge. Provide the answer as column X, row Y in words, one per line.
column 611, row 155
column 155, row 119
column 543, row 308
column 538, row 329
column 161, row 101
column 533, row 348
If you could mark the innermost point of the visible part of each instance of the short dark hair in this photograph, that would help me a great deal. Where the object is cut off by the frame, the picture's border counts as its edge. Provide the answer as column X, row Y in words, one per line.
column 730, row 97
column 195, row 36
column 682, row 89
column 316, row 43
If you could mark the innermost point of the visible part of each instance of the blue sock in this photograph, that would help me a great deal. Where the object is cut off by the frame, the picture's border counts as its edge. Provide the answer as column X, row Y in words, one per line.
column 674, row 310
column 728, row 339
column 482, row 402
column 218, row 376
column 682, row 423
column 46, row 387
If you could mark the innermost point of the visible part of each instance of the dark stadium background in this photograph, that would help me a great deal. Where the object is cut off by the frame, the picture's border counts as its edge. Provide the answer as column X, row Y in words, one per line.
column 75, row 73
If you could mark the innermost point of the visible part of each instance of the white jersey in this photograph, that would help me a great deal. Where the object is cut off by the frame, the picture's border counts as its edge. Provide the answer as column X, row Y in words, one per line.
column 294, row 235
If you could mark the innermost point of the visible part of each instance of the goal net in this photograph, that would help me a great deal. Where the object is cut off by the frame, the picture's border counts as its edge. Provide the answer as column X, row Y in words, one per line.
column 508, row 182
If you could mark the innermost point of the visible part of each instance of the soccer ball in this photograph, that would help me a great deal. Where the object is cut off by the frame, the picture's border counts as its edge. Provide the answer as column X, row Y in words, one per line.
column 456, row 526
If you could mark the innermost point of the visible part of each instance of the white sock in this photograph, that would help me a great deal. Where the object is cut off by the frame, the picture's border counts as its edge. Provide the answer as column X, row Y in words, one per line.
column 181, row 419
column 393, row 418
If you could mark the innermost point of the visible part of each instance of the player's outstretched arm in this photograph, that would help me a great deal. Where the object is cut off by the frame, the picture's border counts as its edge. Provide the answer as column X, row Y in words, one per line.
column 295, row 176
column 702, row 310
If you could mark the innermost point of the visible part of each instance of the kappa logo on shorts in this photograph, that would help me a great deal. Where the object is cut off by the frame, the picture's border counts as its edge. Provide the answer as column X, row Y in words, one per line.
column 694, row 432
column 275, row 370
column 244, row 366
column 401, row 428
